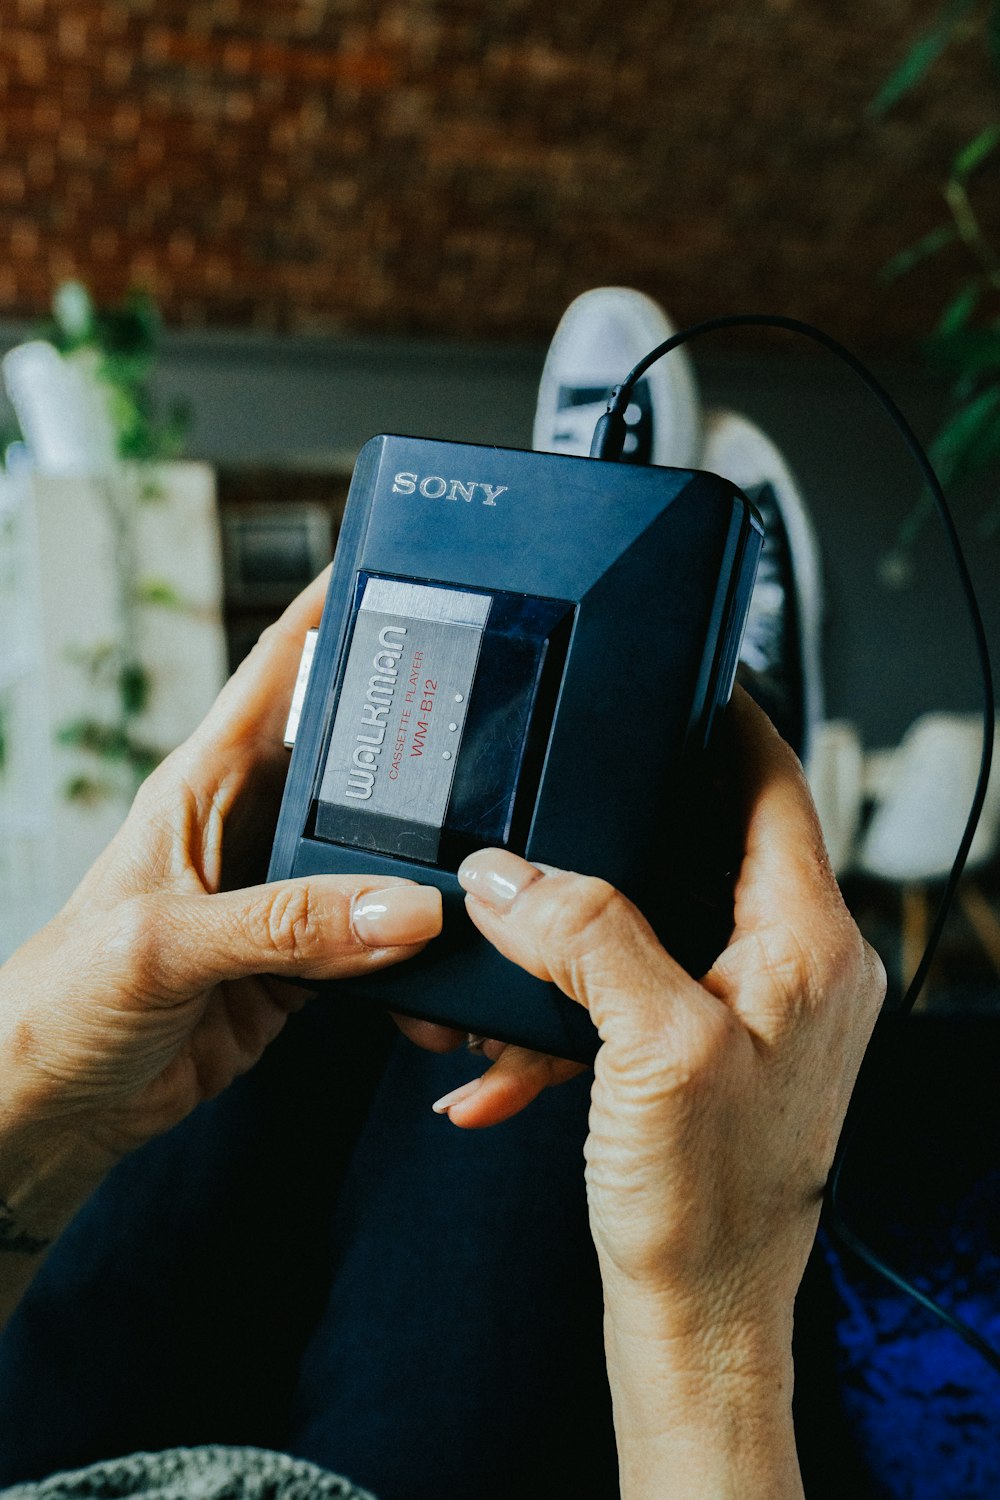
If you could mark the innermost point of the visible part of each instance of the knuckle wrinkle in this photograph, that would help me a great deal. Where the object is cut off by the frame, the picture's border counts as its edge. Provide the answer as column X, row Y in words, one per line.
column 585, row 909
column 289, row 929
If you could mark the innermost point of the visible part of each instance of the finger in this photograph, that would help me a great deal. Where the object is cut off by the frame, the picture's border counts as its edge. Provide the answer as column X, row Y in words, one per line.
column 238, row 1023
column 584, row 936
column 253, row 706
column 785, row 867
column 320, row 927
column 515, row 1079
column 287, row 996
column 794, row 944
column 429, row 1035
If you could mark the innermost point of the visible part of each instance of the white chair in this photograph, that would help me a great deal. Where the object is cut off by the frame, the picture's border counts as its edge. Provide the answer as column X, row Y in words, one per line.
column 916, row 827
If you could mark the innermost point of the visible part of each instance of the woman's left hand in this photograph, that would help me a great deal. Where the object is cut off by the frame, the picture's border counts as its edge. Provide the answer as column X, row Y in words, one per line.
column 164, row 976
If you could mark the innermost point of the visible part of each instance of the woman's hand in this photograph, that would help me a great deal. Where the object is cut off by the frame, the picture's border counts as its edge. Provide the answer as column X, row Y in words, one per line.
column 716, row 1110
column 144, row 995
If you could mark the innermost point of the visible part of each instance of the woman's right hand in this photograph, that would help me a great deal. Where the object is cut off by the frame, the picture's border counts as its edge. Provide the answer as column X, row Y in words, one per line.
column 715, row 1113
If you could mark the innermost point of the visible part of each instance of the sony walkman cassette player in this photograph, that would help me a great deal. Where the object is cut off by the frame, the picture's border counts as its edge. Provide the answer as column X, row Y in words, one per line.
column 522, row 650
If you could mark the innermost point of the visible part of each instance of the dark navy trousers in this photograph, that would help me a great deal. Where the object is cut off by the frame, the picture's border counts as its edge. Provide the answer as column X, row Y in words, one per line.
column 316, row 1263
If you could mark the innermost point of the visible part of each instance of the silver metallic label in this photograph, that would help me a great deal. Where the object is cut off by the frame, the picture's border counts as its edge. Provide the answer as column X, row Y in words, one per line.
column 397, row 734
column 301, row 684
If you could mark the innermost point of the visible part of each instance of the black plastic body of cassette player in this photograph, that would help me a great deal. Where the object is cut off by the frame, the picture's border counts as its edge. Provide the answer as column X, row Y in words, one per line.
column 522, row 650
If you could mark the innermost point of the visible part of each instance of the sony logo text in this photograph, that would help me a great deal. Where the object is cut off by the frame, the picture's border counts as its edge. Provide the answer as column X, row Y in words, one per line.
column 434, row 487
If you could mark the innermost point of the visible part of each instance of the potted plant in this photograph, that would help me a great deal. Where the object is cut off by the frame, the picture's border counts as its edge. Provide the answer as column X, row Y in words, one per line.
column 964, row 345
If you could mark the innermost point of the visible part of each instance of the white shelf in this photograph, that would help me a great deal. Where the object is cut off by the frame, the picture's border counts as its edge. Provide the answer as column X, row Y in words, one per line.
column 15, row 669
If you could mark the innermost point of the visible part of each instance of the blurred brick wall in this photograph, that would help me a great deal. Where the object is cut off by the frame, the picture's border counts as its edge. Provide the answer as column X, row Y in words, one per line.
column 463, row 167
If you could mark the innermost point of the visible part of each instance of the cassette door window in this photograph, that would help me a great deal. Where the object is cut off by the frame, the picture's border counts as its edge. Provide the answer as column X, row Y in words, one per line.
column 442, row 717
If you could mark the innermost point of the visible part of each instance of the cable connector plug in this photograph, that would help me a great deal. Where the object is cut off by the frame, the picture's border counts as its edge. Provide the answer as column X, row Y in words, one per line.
column 609, row 435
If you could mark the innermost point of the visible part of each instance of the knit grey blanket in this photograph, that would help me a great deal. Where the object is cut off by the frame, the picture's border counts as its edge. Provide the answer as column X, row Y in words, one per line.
column 193, row 1474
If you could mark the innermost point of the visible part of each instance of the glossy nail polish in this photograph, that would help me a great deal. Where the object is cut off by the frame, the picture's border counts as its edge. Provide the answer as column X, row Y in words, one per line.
column 465, row 1091
column 496, row 877
column 397, row 916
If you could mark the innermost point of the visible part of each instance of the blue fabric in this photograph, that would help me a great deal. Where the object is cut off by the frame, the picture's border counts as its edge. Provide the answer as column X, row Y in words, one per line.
column 419, row 1310
column 923, row 1189
column 315, row 1263
column 922, row 1404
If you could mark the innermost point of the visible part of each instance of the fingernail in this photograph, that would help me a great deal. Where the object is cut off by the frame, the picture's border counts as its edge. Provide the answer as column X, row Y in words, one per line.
column 496, row 877
column 442, row 1105
column 398, row 915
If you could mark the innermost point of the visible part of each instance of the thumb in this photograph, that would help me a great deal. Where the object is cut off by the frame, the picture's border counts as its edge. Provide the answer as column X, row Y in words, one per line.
column 586, row 937
column 316, row 927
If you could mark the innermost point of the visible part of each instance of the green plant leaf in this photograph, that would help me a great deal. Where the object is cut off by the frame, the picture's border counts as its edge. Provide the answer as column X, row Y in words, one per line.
column 87, row 790
column 126, row 372
column 125, row 341
column 158, row 591
column 929, row 244
column 913, row 523
column 967, row 353
column 993, row 33
column 133, row 329
column 921, row 57
column 143, row 759
column 111, row 743
column 982, row 455
column 989, row 521
column 977, row 150
column 98, row 661
column 176, row 428
column 133, row 688
column 105, row 740
column 10, row 433
column 977, row 454
column 959, row 310
column 968, row 438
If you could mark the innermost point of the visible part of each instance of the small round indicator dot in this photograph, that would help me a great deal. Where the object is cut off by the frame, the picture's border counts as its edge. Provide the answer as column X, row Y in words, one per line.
column 452, row 727
column 459, row 697
column 446, row 755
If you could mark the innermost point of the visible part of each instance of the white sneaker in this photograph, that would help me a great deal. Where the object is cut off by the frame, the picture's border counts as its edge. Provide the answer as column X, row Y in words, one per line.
column 601, row 335
column 782, row 640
